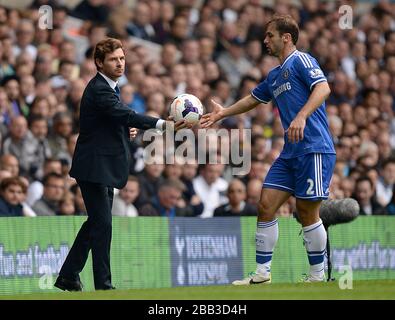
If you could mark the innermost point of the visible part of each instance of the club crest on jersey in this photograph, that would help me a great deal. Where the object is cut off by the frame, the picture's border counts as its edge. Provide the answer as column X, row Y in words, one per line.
column 286, row 74
column 316, row 73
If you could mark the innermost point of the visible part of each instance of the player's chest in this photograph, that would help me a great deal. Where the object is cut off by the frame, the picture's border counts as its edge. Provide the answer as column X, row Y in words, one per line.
column 281, row 83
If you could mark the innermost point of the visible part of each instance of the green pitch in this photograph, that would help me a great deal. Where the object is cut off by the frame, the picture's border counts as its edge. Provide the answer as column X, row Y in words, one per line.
column 383, row 289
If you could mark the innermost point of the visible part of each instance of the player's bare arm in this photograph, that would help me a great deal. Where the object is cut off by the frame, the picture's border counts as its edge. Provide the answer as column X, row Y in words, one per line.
column 295, row 130
column 219, row 112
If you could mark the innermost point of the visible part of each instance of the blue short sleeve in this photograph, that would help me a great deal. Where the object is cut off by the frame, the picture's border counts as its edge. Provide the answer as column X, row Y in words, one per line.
column 261, row 92
column 309, row 70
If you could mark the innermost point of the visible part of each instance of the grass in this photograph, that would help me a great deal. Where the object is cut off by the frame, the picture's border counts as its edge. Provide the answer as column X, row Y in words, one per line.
column 372, row 290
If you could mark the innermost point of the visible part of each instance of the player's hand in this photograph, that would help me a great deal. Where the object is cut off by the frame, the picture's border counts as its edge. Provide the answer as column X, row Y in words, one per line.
column 181, row 124
column 209, row 119
column 295, row 129
column 133, row 133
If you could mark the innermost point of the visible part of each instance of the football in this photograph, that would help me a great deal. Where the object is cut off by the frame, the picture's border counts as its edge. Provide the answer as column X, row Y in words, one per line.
column 186, row 106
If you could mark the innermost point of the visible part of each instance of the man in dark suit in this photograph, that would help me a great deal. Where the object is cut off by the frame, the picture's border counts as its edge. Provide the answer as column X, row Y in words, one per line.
column 100, row 163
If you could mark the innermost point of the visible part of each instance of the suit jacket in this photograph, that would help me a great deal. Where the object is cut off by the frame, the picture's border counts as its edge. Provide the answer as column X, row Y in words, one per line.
column 102, row 153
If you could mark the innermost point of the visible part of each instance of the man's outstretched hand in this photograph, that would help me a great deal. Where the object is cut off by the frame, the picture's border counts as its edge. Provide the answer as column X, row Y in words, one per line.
column 209, row 119
column 181, row 124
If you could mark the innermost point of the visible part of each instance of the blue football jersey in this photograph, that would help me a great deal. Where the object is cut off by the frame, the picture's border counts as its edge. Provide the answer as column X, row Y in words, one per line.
column 289, row 87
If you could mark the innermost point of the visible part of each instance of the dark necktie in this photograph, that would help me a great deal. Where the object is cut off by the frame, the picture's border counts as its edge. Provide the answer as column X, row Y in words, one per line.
column 117, row 91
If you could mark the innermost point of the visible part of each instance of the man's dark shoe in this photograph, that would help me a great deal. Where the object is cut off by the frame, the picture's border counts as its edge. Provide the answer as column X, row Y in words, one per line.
column 109, row 288
column 68, row 285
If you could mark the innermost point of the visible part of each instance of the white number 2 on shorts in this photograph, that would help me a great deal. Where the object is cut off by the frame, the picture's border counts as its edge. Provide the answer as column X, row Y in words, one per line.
column 310, row 190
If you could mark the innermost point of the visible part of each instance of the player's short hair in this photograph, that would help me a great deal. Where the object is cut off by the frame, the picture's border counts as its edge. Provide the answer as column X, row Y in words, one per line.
column 285, row 24
column 104, row 47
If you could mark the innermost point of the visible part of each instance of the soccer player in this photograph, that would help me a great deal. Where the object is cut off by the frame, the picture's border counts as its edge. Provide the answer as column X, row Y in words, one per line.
column 304, row 168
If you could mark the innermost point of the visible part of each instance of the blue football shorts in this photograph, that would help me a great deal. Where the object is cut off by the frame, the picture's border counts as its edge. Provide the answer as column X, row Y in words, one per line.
column 306, row 177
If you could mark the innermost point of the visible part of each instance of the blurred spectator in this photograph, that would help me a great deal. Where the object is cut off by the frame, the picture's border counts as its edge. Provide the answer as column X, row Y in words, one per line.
column 61, row 131
column 127, row 93
column 284, row 211
column 79, row 204
column 150, row 179
column 66, row 205
column 165, row 203
column 24, row 38
column 123, row 201
column 11, row 195
column 189, row 171
column 258, row 169
column 54, row 189
column 234, row 63
column 44, row 63
column 6, row 68
column 338, row 89
column 36, row 188
column 87, row 70
column 364, row 194
column 11, row 86
column 386, row 181
column 237, row 205
column 178, row 30
column 6, row 111
column 336, row 127
column 162, row 26
column 210, row 187
column 10, row 163
column 260, row 147
column 347, row 186
column 38, row 126
column 27, row 90
column 141, row 26
column 66, row 157
column 21, row 144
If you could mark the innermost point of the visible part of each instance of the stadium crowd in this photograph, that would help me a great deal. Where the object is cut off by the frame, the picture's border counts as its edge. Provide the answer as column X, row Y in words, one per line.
column 214, row 50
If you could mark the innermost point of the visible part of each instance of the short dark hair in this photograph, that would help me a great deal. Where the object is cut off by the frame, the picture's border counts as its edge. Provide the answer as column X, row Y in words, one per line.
column 387, row 161
column 36, row 117
column 133, row 179
column 285, row 24
column 51, row 175
column 104, row 47
column 5, row 183
column 364, row 178
column 65, row 62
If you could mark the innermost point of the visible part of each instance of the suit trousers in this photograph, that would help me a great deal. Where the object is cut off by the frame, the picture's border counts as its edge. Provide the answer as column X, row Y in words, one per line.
column 95, row 234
